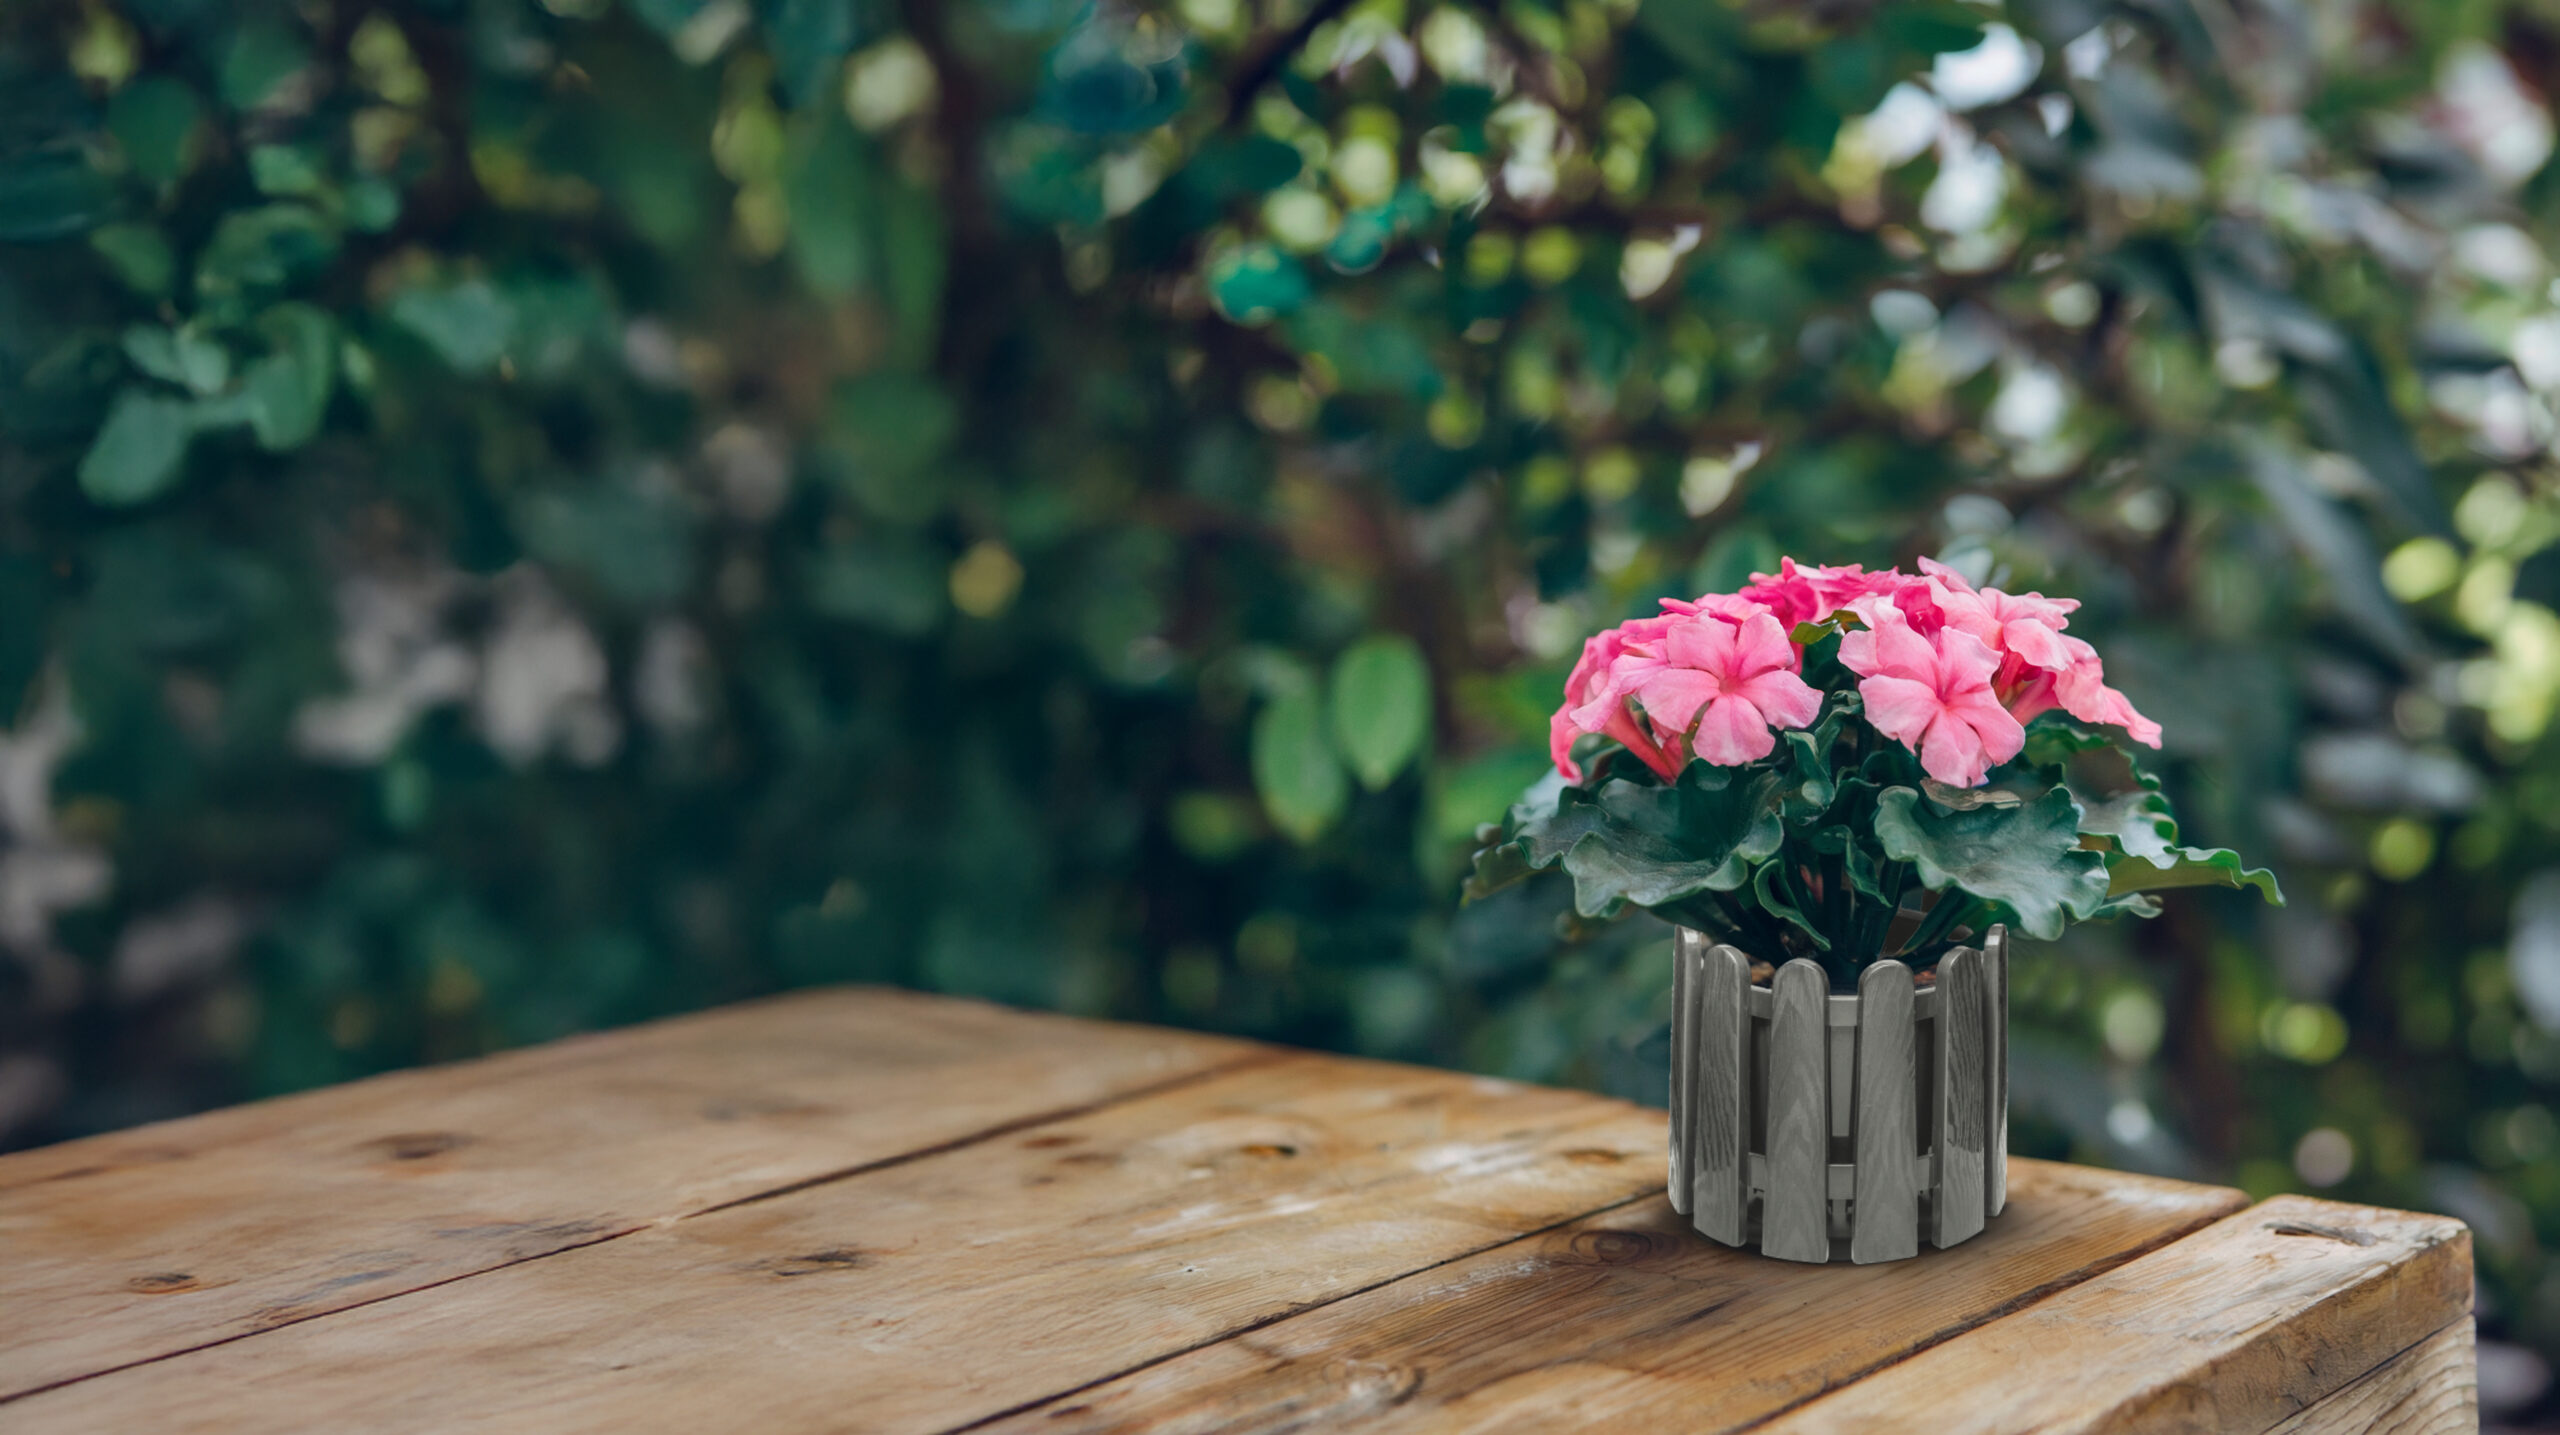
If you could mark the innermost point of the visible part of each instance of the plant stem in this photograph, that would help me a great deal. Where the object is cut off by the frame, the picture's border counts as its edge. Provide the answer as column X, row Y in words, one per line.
column 1942, row 918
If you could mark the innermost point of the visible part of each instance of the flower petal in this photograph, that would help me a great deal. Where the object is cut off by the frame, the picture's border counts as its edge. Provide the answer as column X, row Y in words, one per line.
column 1561, row 731
column 1672, row 696
column 2037, row 641
column 1784, row 699
column 1733, row 733
column 1952, row 752
column 2084, row 694
column 1887, row 646
column 1705, row 643
column 1964, row 661
column 1761, row 646
column 1900, row 708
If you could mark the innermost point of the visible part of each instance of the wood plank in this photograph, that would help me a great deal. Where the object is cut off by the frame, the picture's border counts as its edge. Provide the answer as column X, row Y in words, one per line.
column 938, row 1290
column 1688, row 971
column 1885, row 1221
column 2234, row 1328
column 1626, row 1321
column 1795, row 1206
column 1995, row 973
column 1956, row 1212
column 2432, row 1388
column 135, row 1244
column 1720, row 1097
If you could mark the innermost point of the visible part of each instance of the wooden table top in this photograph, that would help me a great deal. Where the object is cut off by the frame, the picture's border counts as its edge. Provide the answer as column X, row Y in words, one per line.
column 879, row 1211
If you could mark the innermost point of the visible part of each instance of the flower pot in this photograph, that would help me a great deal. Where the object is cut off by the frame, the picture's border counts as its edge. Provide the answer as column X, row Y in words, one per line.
column 1816, row 1127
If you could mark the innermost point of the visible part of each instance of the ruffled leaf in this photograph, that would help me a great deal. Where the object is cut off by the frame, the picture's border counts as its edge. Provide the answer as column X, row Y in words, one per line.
column 2138, row 836
column 1650, row 845
column 2189, row 867
column 2027, row 859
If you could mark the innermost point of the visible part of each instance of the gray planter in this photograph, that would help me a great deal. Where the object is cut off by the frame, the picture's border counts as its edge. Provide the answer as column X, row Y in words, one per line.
column 1815, row 1127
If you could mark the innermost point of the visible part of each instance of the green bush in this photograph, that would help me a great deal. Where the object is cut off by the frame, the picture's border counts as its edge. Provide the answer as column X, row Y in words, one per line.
column 521, row 517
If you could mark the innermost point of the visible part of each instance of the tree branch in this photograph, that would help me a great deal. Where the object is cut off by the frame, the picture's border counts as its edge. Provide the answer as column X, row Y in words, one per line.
column 1266, row 62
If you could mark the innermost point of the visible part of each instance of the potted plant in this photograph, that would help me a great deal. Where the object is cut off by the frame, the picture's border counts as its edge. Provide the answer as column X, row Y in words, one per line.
column 1846, row 790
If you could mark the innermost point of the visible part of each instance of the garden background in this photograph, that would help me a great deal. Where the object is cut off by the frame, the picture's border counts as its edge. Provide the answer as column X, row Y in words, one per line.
column 521, row 517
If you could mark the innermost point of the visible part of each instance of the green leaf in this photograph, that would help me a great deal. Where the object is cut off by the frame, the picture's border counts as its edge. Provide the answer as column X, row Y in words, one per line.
column 2140, row 834
column 1256, row 284
column 915, row 253
column 2137, row 822
column 468, row 323
column 887, row 429
column 832, row 193
column 155, row 120
column 1777, row 893
column 2189, row 867
column 49, row 194
column 138, row 450
column 139, row 254
column 631, row 541
column 1470, row 798
column 263, row 54
column 808, row 38
column 287, row 391
column 263, row 249
column 897, row 587
column 183, row 356
column 1381, row 706
column 371, row 205
column 286, row 171
column 1294, row 769
column 1651, row 844
column 2026, row 858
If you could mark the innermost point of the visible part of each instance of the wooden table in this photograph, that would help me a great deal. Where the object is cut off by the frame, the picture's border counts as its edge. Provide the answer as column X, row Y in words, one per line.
column 873, row 1210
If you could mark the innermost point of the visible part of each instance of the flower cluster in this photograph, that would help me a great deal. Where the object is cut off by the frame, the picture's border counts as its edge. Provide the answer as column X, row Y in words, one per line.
column 1949, row 670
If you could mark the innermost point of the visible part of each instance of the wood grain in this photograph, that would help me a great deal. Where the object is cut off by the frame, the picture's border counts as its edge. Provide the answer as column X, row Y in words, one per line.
column 954, row 1286
column 1885, row 1219
column 1625, row 1321
column 1957, row 1212
column 2432, row 1388
column 2234, row 1328
column 1720, row 1096
column 132, row 1245
column 1795, row 1207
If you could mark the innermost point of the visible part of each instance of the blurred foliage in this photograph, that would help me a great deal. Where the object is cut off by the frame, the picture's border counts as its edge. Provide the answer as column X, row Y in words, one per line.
column 522, row 516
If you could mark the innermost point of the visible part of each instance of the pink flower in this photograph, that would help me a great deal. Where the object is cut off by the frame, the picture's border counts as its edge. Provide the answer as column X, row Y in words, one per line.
column 1595, row 687
column 1710, row 677
column 2081, row 690
column 2025, row 626
column 1731, row 682
column 2041, row 666
column 1933, row 696
column 1796, row 595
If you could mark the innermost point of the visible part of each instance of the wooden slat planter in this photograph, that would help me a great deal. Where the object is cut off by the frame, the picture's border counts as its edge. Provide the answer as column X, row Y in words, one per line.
column 1819, row 1126
column 873, row 1211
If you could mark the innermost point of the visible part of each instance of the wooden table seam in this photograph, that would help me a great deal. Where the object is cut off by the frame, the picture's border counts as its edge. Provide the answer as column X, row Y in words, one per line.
column 1265, row 1322
column 1241, row 1062
column 2024, row 1300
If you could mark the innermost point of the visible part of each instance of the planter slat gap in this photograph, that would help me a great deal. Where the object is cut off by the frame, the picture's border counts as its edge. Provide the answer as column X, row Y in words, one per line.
column 1822, row 1127
column 1687, row 972
column 1995, row 970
